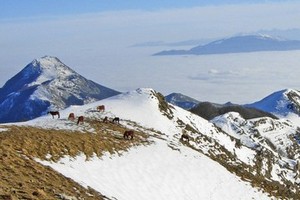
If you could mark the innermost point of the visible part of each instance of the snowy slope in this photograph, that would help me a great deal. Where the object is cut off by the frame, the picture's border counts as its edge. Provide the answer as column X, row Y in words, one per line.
column 282, row 103
column 156, row 170
column 46, row 84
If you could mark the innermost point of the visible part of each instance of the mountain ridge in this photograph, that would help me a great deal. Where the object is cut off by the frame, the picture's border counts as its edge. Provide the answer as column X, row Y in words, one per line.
column 209, row 111
column 251, row 149
column 238, row 44
column 278, row 104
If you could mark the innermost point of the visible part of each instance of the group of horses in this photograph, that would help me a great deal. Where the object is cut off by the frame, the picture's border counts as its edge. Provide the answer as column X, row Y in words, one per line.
column 127, row 134
column 71, row 116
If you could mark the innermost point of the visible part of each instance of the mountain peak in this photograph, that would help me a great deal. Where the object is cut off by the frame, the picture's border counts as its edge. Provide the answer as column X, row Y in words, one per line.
column 181, row 100
column 44, row 84
column 48, row 68
column 45, row 62
column 47, row 58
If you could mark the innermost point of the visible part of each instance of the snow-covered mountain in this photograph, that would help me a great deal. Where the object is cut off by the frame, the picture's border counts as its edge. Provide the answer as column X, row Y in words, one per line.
column 46, row 84
column 282, row 103
column 181, row 100
column 239, row 44
column 262, row 152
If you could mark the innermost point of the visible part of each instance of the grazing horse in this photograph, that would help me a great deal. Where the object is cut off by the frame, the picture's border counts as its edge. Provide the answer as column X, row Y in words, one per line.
column 184, row 137
column 128, row 134
column 116, row 120
column 105, row 120
column 53, row 113
column 71, row 116
column 80, row 119
column 101, row 108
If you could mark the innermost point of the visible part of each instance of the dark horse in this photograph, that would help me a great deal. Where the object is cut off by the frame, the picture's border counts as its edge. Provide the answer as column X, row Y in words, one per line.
column 53, row 113
column 80, row 119
column 185, row 137
column 105, row 120
column 116, row 120
column 128, row 134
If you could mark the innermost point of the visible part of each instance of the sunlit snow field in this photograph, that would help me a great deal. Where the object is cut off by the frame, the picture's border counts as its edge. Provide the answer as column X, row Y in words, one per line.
column 174, row 175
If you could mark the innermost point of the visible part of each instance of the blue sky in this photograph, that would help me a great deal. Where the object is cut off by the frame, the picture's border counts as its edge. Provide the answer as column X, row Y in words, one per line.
column 95, row 38
column 30, row 8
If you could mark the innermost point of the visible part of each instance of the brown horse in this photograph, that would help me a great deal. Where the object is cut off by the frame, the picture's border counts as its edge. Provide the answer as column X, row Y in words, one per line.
column 105, row 120
column 184, row 137
column 80, row 119
column 101, row 108
column 128, row 134
column 71, row 116
column 53, row 113
column 116, row 120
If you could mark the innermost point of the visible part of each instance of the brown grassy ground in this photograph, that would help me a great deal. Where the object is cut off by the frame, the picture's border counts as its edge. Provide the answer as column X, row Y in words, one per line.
column 23, row 178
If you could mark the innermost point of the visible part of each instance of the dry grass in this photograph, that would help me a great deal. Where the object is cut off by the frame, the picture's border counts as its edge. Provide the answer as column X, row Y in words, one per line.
column 23, row 178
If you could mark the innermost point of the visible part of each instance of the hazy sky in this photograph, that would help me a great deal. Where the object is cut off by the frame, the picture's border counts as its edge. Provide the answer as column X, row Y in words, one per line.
column 94, row 38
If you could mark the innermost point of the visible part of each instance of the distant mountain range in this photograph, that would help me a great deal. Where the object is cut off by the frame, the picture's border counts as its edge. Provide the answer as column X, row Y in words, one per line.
column 46, row 84
column 280, row 103
column 238, row 44
column 209, row 111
